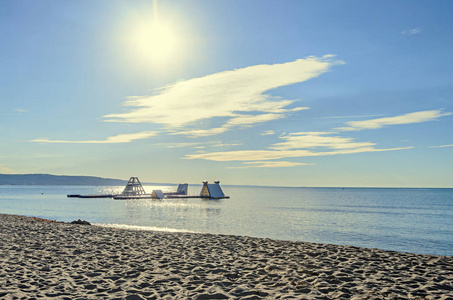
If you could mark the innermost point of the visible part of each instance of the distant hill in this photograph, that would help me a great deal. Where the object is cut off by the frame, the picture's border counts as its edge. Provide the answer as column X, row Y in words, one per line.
column 46, row 179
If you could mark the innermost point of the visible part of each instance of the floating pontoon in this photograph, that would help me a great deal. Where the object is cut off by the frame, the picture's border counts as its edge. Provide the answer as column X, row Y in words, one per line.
column 135, row 190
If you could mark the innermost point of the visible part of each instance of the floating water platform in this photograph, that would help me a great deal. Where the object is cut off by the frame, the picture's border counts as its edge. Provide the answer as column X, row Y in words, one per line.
column 134, row 190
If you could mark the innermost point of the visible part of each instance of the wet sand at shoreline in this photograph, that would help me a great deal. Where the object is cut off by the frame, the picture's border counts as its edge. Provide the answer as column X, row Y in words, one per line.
column 42, row 259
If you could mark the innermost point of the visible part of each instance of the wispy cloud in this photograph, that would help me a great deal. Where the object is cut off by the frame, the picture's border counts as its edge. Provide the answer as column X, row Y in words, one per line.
column 349, row 117
column 202, row 132
column 304, row 140
column 312, row 144
column 199, row 145
column 268, row 132
column 20, row 110
column 221, row 145
column 121, row 138
column 239, row 121
column 269, row 164
column 412, row 31
column 237, row 95
column 442, row 146
column 301, row 144
column 179, row 145
column 6, row 170
column 410, row 118
column 257, row 155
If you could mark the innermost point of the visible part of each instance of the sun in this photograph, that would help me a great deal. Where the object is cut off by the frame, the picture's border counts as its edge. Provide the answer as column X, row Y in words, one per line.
column 155, row 41
column 154, row 38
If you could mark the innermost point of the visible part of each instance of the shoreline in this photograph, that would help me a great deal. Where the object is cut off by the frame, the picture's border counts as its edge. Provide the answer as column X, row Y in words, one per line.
column 42, row 258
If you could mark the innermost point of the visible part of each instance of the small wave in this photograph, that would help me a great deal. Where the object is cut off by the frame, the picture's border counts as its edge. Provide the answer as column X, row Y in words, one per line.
column 144, row 228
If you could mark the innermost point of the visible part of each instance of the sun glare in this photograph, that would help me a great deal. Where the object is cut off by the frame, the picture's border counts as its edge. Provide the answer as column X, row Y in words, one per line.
column 155, row 38
column 155, row 42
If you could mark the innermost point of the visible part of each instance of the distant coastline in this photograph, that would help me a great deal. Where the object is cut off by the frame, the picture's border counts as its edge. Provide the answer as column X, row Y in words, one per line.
column 47, row 179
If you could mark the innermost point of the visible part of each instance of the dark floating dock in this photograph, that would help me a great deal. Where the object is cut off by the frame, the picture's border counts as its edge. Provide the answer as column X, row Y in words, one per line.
column 196, row 197
column 91, row 196
column 134, row 190
column 148, row 196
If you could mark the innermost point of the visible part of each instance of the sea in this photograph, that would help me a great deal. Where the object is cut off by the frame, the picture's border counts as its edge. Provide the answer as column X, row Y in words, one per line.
column 398, row 219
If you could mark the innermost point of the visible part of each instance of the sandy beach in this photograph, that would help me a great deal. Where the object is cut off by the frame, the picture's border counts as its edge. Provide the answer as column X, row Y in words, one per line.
column 41, row 259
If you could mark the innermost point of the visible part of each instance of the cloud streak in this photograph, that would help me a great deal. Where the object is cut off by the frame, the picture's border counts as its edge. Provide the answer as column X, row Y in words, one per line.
column 301, row 144
column 237, row 95
column 442, row 146
column 117, row 139
column 179, row 145
column 6, row 170
column 303, row 140
column 216, row 144
column 268, row 132
column 252, row 155
column 313, row 144
column 269, row 164
column 410, row 118
column 412, row 31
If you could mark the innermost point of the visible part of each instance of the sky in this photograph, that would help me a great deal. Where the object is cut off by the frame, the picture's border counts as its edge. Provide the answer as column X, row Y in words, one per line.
column 266, row 92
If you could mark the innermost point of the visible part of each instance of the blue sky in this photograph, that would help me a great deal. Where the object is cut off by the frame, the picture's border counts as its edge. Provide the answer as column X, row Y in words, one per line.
column 287, row 93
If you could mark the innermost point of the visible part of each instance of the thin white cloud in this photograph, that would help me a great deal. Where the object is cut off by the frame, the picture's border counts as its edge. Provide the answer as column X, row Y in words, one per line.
column 121, row 138
column 199, row 145
column 442, row 146
column 221, row 145
column 410, row 118
column 237, row 95
column 253, row 119
column 257, row 155
column 6, row 170
column 268, row 132
column 412, row 31
column 269, row 164
column 179, row 145
column 349, row 117
column 300, row 144
column 304, row 140
column 239, row 120
column 20, row 110
column 202, row 132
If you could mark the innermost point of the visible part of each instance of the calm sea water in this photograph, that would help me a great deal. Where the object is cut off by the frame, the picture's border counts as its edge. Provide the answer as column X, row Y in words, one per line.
column 407, row 220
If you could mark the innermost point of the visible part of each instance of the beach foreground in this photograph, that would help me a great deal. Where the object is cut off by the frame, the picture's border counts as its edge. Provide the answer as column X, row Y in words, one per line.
column 44, row 259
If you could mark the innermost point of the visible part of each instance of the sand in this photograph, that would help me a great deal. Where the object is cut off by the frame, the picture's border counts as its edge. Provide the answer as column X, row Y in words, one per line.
column 45, row 260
